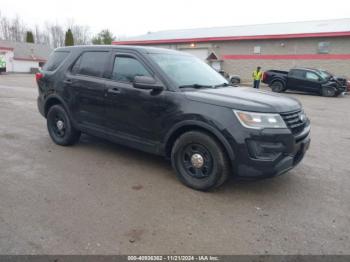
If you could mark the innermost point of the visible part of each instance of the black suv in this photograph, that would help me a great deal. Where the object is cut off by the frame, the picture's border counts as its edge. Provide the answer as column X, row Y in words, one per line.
column 170, row 103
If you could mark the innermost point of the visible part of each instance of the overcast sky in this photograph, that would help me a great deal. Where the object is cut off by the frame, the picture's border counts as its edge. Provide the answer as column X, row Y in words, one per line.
column 131, row 17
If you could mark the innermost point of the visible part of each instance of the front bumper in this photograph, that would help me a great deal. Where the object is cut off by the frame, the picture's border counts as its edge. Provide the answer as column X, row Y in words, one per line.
column 271, row 153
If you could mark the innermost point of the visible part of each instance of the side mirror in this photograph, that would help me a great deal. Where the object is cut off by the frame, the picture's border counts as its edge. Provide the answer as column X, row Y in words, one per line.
column 147, row 82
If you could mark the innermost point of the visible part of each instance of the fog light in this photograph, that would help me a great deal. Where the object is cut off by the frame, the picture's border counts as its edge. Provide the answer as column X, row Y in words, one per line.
column 265, row 150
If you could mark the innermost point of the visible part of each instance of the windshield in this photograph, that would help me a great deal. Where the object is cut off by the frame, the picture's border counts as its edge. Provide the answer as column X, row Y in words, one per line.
column 325, row 74
column 187, row 70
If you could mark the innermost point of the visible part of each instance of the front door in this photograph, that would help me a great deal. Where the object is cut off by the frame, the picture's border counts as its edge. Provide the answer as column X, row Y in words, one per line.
column 312, row 82
column 130, row 112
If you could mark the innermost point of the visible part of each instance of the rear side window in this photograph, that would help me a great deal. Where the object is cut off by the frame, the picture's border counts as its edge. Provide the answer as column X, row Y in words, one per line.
column 297, row 73
column 91, row 64
column 126, row 68
column 55, row 60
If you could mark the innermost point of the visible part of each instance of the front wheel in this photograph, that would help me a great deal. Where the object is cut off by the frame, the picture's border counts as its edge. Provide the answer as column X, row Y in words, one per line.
column 328, row 91
column 200, row 161
column 60, row 127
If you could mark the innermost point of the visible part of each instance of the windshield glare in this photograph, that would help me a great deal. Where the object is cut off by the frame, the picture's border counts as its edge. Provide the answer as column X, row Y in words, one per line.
column 325, row 74
column 188, row 70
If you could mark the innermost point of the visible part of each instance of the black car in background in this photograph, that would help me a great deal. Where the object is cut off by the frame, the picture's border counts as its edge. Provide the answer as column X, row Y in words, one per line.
column 305, row 80
column 171, row 104
column 234, row 80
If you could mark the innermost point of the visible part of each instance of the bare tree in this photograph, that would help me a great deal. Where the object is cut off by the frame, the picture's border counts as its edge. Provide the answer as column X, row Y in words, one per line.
column 56, row 34
column 4, row 28
column 81, row 35
column 52, row 34
column 12, row 29
column 17, row 30
column 41, row 36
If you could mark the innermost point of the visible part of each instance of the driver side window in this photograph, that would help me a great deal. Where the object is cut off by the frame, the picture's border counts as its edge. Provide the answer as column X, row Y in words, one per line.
column 126, row 68
column 312, row 76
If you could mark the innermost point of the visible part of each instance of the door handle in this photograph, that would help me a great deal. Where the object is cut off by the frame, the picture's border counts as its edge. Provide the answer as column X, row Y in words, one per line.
column 113, row 90
column 68, row 81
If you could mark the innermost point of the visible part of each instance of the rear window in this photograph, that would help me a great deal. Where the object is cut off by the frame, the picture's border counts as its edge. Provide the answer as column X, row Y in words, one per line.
column 55, row 60
column 91, row 64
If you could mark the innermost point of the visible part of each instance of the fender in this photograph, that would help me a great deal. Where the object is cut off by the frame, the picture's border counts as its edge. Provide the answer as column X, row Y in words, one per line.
column 202, row 125
column 52, row 96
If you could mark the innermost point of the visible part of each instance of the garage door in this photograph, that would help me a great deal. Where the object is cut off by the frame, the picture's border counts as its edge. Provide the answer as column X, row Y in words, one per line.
column 201, row 53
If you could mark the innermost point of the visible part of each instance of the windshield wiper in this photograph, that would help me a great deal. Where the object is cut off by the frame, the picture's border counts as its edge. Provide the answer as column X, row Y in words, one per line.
column 195, row 86
column 221, row 85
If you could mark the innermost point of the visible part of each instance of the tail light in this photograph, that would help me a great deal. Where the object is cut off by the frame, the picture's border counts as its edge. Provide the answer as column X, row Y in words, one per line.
column 264, row 77
column 39, row 76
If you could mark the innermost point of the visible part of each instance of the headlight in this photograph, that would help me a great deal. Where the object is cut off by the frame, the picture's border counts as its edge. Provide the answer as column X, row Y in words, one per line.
column 260, row 120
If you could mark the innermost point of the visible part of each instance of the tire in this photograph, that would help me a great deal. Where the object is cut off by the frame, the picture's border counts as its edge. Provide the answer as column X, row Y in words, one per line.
column 215, row 167
column 235, row 81
column 60, row 127
column 277, row 87
column 328, row 91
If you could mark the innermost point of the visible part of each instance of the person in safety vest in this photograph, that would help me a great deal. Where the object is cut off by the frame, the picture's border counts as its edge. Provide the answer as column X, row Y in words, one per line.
column 257, row 76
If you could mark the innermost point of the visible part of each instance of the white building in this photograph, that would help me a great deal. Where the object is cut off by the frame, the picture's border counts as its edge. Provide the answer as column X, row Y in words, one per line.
column 23, row 57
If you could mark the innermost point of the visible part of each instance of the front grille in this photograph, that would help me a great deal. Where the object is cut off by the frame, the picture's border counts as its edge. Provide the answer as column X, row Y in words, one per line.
column 294, row 121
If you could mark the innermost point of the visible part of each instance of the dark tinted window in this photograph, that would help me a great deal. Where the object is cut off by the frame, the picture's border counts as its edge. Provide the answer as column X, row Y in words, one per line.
column 55, row 59
column 126, row 68
column 91, row 64
column 297, row 73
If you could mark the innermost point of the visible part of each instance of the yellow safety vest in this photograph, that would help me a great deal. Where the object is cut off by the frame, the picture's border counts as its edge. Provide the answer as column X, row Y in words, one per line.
column 257, row 75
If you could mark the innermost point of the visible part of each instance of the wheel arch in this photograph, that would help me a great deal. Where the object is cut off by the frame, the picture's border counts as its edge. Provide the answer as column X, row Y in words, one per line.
column 187, row 126
column 51, row 101
column 281, row 80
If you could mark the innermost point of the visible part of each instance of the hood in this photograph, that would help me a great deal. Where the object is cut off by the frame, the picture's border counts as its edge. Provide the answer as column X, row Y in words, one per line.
column 341, row 79
column 246, row 99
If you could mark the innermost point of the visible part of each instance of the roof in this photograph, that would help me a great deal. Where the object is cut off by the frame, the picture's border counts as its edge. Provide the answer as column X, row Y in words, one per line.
column 27, row 51
column 142, row 49
column 320, row 28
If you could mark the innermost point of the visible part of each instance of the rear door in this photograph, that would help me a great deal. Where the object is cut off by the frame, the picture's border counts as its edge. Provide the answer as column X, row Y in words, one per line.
column 86, row 81
column 296, row 79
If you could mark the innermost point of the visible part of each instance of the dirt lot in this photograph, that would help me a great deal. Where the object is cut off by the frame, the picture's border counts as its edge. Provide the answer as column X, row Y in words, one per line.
column 101, row 198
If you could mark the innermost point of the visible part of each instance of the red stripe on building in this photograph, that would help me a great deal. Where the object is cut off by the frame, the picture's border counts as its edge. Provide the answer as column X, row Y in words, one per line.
column 288, row 57
column 6, row 48
column 229, row 38
column 30, row 59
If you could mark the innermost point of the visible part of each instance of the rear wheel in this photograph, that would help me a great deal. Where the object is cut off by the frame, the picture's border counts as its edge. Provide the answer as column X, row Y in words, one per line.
column 60, row 127
column 328, row 91
column 277, row 87
column 200, row 161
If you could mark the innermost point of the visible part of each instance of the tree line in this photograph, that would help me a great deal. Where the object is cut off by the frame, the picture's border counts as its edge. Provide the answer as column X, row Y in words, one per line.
column 52, row 34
